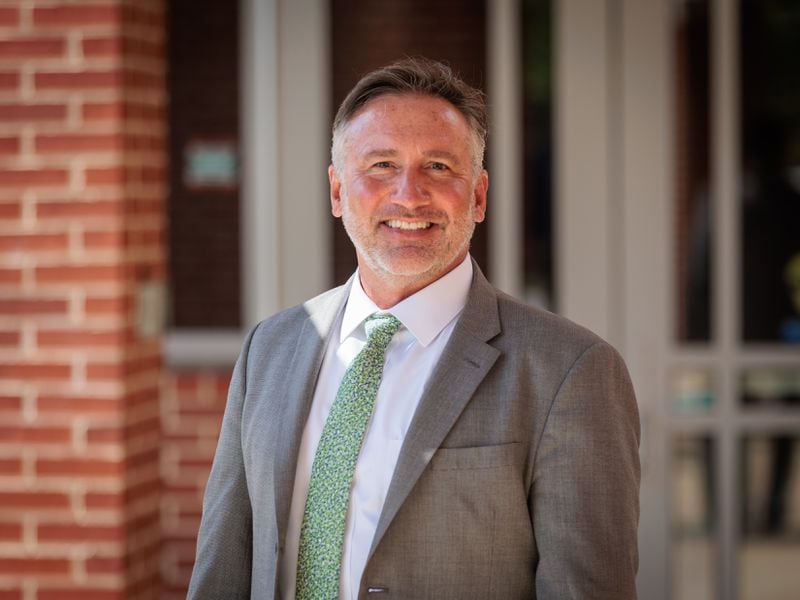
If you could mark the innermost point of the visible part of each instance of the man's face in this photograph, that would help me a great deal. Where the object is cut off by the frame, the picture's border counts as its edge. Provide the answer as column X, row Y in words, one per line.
column 406, row 189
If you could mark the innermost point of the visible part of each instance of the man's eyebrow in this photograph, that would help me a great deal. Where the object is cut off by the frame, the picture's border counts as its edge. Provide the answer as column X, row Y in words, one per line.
column 443, row 154
column 379, row 152
column 388, row 152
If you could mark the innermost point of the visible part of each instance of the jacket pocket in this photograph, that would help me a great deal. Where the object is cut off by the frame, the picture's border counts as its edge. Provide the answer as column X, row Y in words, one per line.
column 476, row 457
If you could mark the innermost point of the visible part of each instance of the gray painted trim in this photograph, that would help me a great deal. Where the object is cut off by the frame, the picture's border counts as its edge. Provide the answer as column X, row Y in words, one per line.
column 260, row 123
column 582, row 263
column 504, row 65
column 642, row 317
column 203, row 348
column 725, row 146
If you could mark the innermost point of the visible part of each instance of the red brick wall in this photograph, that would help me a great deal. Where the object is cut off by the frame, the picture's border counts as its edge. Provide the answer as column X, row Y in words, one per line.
column 81, row 227
column 103, row 454
column 191, row 408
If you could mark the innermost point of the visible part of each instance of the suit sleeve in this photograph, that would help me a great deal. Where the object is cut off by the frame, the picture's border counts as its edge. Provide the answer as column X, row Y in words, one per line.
column 223, row 561
column 585, row 498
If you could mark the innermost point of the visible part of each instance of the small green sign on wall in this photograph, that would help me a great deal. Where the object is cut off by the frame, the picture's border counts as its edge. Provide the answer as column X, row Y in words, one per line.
column 211, row 164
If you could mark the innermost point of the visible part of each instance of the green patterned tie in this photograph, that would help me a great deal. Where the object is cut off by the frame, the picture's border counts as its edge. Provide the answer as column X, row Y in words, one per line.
column 322, row 533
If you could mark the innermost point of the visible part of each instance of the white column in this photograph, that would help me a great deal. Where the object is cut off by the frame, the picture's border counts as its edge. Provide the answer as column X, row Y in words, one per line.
column 646, row 289
column 260, row 172
column 304, row 150
column 505, row 211
column 582, row 262
column 285, row 147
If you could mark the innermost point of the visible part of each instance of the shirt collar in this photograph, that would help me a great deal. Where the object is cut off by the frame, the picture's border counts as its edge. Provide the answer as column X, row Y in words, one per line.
column 424, row 313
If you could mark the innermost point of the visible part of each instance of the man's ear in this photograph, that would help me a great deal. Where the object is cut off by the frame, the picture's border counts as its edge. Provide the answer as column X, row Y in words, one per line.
column 480, row 194
column 336, row 192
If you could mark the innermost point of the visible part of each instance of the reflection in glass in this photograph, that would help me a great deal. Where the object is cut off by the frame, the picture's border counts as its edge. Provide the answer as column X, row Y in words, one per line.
column 692, row 529
column 692, row 210
column 537, row 116
column 692, row 391
column 769, row 556
column 771, row 387
column 770, row 113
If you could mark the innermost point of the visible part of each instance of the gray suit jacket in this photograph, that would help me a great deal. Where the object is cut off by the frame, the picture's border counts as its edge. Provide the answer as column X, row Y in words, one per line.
column 519, row 476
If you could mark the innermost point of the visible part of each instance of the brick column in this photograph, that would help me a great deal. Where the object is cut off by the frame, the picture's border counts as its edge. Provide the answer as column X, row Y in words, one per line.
column 192, row 404
column 81, row 267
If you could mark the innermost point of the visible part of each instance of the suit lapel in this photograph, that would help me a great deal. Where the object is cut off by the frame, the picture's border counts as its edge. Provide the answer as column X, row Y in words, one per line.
column 464, row 363
column 301, row 379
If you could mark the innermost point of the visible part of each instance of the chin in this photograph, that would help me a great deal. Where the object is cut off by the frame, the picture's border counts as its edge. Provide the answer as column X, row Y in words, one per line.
column 412, row 269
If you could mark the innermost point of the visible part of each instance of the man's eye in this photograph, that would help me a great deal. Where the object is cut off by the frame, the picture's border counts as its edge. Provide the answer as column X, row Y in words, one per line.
column 383, row 164
column 437, row 166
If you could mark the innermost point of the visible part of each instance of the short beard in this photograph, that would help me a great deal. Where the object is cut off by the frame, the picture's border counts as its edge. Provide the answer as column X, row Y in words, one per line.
column 384, row 266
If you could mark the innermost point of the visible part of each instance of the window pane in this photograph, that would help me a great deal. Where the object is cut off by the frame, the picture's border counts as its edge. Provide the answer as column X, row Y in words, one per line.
column 537, row 71
column 770, row 549
column 204, row 194
column 776, row 387
column 770, row 112
column 692, row 523
column 692, row 210
column 692, row 391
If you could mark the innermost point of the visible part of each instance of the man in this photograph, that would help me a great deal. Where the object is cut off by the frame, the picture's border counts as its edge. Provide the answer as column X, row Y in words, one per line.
column 498, row 457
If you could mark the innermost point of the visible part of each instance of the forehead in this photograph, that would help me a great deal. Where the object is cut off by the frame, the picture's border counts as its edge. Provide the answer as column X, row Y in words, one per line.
column 407, row 116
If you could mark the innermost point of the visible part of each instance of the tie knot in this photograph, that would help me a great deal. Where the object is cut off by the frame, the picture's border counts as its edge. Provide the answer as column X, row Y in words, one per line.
column 382, row 324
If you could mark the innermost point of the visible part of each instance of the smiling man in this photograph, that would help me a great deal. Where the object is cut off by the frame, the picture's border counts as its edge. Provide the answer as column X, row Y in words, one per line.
column 416, row 433
column 407, row 186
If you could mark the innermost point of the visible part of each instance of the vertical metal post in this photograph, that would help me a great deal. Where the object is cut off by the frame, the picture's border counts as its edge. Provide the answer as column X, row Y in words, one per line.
column 725, row 269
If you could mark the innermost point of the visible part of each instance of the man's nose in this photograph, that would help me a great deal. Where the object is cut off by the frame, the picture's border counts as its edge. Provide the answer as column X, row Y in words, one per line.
column 411, row 189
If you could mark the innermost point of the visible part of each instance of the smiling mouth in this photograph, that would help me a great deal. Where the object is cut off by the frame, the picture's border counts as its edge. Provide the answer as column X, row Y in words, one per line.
column 407, row 225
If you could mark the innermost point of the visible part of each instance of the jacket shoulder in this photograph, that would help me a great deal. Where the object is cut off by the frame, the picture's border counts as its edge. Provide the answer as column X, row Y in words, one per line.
column 289, row 320
column 524, row 325
column 540, row 319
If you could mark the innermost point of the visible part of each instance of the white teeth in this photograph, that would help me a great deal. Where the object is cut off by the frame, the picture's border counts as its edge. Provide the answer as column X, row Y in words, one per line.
column 407, row 225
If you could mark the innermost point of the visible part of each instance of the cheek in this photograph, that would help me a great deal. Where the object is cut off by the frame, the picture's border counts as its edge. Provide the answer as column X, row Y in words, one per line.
column 369, row 188
column 458, row 199
column 363, row 196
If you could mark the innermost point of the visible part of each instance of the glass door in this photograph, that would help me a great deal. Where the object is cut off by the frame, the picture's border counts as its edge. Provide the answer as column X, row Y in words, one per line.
column 721, row 491
column 677, row 203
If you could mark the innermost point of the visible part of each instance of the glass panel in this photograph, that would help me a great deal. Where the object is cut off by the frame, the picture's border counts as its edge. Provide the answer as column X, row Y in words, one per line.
column 692, row 391
column 692, row 218
column 537, row 94
column 770, row 92
column 770, row 548
column 692, row 528
column 204, row 201
column 771, row 387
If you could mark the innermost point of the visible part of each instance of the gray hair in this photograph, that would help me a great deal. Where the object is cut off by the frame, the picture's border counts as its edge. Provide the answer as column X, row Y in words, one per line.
column 420, row 76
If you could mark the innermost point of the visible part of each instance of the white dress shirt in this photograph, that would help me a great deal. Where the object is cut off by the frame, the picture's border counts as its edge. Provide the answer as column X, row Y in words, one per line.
column 428, row 318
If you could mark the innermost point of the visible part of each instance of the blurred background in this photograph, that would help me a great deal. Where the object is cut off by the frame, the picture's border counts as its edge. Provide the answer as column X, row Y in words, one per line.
column 163, row 187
